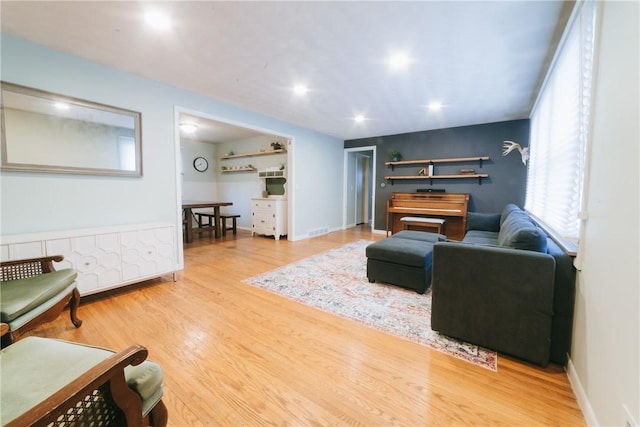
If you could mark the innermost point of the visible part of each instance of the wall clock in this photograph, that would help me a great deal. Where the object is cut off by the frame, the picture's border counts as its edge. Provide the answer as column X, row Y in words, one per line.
column 200, row 164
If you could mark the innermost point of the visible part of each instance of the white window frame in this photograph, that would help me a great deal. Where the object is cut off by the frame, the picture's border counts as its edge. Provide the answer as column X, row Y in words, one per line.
column 557, row 183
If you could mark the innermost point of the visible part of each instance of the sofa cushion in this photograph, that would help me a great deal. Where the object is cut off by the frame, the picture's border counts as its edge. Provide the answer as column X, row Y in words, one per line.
column 483, row 221
column 478, row 237
column 519, row 232
column 508, row 209
column 20, row 296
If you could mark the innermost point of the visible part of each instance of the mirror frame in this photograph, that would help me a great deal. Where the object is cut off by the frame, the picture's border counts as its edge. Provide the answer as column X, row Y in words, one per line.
column 5, row 165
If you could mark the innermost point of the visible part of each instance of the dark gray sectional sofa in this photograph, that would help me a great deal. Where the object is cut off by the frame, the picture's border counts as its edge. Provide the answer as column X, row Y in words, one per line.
column 506, row 286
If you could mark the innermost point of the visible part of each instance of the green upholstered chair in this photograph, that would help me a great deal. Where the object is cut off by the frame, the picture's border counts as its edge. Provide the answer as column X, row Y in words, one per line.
column 51, row 382
column 32, row 292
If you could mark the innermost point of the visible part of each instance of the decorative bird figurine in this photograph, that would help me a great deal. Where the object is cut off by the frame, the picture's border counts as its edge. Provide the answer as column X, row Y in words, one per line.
column 509, row 146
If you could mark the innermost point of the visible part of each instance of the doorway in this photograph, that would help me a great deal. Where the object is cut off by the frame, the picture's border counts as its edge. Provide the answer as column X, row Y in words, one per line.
column 359, row 194
column 212, row 140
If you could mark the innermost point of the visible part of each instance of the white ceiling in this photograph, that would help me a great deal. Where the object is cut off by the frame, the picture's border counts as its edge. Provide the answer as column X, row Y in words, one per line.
column 484, row 60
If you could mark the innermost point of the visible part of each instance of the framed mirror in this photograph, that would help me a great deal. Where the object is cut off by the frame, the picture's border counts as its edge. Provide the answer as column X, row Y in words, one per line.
column 46, row 132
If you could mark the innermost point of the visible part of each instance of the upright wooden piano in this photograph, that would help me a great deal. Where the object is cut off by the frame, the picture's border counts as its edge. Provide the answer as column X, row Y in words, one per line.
column 452, row 207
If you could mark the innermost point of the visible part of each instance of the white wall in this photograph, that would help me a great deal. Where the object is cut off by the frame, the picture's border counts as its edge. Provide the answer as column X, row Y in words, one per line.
column 33, row 202
column 605, row 352
column 198, row 185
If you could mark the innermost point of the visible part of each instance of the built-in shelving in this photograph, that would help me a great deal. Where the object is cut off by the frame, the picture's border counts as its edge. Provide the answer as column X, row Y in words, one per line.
column 243, row 169
column 272, row 174
column 478, row 176
column 256, row 153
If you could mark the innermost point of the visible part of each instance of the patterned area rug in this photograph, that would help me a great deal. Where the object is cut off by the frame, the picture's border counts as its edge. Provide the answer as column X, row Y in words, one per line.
column 336, row 281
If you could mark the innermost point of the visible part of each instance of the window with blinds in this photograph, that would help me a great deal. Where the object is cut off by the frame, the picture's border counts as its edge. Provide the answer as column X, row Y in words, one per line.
column 559, row 130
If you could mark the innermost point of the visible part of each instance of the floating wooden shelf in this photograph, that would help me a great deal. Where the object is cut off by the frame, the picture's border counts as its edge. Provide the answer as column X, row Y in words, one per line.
column 427, row 161
column 466, row 175
column 238, row 170
column 257, row 153
column 478, row 176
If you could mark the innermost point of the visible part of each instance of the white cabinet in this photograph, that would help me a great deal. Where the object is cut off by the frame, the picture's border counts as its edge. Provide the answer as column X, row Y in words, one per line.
column 269, row 217
column 104, row 258
column 147, row 252
column 96, row 258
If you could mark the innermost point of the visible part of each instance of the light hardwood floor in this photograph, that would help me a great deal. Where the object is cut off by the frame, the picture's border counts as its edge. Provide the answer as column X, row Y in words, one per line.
column 237, row 355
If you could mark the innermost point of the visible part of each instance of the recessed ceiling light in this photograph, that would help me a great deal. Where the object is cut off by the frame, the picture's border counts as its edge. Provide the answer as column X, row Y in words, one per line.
column 62, row 106
column 300, row 89
column 398, row 61
column 435, row 106
column 359, row 118
column 157, row 19
column 188, row 128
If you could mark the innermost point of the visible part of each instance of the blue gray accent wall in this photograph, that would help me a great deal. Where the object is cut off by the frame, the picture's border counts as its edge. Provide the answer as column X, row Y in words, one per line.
column 507, row 174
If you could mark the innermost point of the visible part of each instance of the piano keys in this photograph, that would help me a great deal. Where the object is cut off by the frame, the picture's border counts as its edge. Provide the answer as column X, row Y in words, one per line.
column 452, row 207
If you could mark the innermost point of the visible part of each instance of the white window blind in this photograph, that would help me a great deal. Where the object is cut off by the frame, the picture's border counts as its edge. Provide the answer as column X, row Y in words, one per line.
column 559, row 130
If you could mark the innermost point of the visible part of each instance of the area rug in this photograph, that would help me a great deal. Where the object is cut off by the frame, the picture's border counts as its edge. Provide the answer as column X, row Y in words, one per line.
column 336, row 281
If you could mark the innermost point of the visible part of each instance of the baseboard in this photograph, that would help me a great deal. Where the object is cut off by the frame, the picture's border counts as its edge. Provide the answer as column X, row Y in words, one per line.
column 581, row 396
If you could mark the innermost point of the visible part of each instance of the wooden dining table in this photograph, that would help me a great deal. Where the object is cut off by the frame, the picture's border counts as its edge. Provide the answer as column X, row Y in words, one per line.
column 187, row 216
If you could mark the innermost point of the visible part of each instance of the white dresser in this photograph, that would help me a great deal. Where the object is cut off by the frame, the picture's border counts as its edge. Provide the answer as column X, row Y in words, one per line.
column 269, row 217
column 105, row 258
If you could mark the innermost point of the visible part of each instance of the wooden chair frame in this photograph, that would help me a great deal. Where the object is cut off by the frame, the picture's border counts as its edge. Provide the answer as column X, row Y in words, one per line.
column 24, row 268
column 107, row 379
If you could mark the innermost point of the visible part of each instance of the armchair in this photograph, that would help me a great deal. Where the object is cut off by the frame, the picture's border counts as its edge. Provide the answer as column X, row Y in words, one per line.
column 32, row 292
column 51, row 382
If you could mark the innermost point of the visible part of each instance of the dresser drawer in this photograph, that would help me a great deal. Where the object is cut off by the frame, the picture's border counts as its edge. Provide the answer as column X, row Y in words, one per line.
column 269, row 217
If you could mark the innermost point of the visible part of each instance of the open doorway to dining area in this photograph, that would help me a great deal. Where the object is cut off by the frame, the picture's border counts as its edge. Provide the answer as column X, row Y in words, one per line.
column 225, row 169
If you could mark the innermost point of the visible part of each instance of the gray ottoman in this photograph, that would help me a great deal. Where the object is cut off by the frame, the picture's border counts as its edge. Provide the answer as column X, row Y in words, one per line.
column 402, row 261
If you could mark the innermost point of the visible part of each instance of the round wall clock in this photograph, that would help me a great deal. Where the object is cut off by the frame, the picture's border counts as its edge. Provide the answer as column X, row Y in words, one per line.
column 200, row 164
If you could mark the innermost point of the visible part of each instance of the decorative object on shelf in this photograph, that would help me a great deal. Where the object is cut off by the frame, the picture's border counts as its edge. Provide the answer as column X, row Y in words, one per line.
column 396, row 156
column 422, row 172
column 200, row 164
column 230, row 153
column 467, row 171
column 509, row 146
column 281, row 166
column 276, row 145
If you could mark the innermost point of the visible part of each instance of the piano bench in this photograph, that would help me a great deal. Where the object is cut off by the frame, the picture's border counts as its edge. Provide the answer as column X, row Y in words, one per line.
column 431, row 224
column 403, row 262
